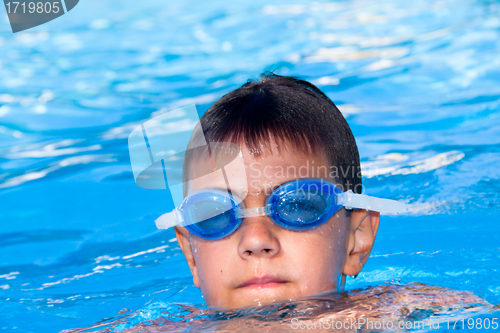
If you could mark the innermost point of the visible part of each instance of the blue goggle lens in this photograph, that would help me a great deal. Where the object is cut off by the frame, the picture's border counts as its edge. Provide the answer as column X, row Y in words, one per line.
column 211, row 215
column 301, row 207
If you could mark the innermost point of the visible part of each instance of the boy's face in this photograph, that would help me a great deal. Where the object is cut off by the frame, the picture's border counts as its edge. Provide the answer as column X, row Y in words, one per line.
column 261, row 262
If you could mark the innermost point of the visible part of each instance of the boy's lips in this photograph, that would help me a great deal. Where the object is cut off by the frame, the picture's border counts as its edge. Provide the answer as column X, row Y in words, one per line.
column 266, row 281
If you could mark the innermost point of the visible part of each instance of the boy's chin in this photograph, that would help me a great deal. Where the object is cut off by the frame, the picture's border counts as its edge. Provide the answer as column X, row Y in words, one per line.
column 249, row 297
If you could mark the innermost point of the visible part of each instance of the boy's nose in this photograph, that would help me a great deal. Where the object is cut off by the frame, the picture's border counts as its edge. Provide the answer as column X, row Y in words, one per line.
column 258, row 239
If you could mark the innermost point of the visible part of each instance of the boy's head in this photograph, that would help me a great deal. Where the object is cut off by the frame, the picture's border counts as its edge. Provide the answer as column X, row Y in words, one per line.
column 287, row 129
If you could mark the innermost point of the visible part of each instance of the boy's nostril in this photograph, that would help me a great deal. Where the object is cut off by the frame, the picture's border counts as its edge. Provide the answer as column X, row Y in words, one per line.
column 267, row 251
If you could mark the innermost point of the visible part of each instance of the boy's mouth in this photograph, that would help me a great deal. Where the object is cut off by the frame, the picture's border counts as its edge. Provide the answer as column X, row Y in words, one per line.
column 266, row 281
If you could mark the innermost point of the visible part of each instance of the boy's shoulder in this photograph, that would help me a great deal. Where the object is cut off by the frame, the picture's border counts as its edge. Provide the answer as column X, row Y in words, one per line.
column 413, row 301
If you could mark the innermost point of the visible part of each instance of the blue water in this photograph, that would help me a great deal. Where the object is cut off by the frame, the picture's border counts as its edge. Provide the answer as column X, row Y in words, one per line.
column 418, row 81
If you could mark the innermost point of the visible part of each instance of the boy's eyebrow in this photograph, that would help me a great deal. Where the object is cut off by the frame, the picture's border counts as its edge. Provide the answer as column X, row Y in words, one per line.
column 271, row 188
column 268, row 189
column 233, row 190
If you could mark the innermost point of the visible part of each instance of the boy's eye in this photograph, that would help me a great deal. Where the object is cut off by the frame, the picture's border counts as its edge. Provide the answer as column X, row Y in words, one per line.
column 206, row 210
column 209, row 214
column 215, row 221
column 301, row 206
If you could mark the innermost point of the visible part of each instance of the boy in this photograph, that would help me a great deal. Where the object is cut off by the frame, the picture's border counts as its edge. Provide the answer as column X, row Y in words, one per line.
column 267, row 209
column 288, row 131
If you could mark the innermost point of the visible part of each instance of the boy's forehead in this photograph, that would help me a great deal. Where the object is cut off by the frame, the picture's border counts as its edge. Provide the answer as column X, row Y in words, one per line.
column 259, row 170
column 228, row 175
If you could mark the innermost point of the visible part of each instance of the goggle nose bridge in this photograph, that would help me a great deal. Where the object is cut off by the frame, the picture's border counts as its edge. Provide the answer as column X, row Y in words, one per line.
column 252, row 212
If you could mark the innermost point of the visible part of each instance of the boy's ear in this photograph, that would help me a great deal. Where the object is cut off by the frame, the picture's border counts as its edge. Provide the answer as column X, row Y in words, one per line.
column 183, row 239
column 364, row 226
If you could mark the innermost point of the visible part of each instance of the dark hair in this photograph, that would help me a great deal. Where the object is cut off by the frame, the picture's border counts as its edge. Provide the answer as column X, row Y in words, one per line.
column 289, row 110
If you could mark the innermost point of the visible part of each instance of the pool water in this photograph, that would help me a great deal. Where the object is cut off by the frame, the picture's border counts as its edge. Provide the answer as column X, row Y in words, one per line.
column 418, row 81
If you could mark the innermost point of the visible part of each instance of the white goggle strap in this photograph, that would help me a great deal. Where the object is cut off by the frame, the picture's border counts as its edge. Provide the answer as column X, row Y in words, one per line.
column 171, row 219
column 352, row 200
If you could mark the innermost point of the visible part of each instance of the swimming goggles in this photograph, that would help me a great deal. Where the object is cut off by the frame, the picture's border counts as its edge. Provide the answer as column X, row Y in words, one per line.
column 298, row 205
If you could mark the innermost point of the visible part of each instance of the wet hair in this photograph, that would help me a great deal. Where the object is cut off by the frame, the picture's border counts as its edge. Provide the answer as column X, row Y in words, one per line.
column 290, row 111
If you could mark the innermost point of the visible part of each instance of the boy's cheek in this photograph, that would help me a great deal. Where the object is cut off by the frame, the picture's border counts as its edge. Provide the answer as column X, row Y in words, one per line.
column 212, row 263
column 318, row 257
column 314, row 262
